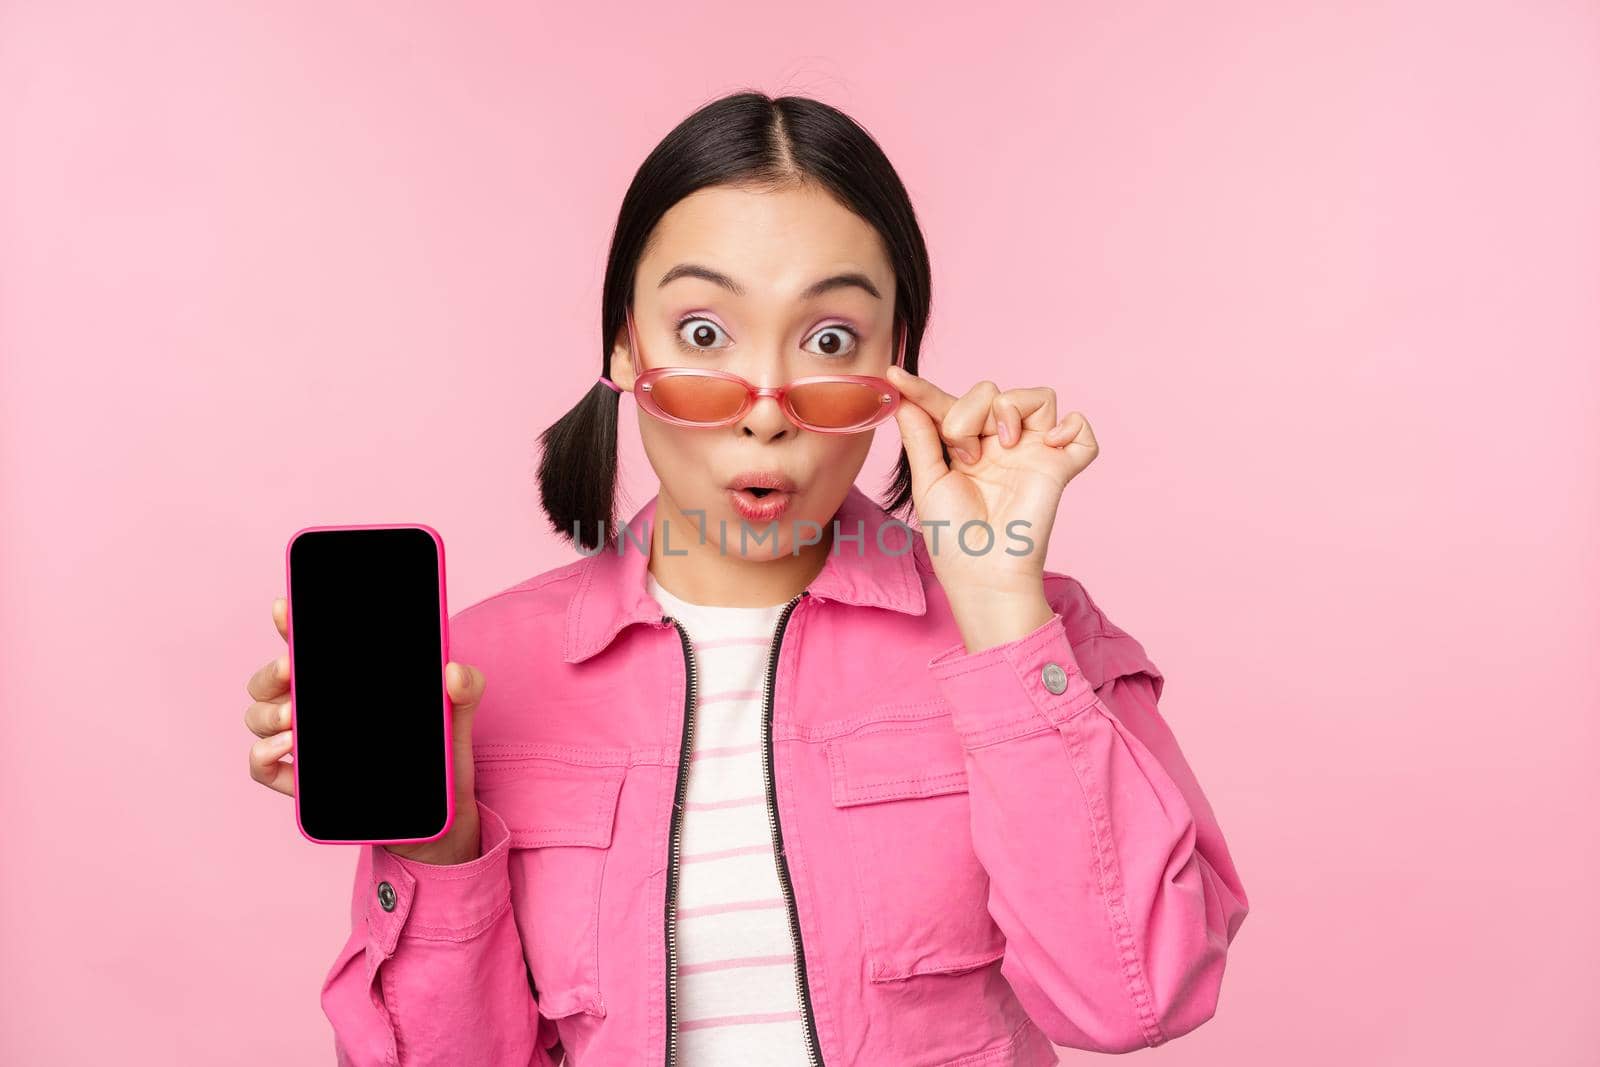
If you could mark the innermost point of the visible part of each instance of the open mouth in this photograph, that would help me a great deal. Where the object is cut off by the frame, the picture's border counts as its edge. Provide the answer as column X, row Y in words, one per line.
column 760, row 503
column 761, row 495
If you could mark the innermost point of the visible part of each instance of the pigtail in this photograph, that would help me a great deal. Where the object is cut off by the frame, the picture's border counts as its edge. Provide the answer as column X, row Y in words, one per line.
column 578, row 469
column 898, row 502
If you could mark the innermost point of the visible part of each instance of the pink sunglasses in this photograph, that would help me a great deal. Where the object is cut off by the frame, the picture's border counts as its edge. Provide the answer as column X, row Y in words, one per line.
column 702, row 397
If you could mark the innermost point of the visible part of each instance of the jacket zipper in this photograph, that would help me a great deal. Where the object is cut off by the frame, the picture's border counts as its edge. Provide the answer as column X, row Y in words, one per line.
column 801, row 989
column 675, row 838
column 813, row 1046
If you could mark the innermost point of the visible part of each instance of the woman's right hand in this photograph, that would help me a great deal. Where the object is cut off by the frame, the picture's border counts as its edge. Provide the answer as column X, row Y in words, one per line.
column 268, row 719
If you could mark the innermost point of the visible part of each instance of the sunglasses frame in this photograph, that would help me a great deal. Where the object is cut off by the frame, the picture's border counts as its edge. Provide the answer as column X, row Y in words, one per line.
column 643, row 387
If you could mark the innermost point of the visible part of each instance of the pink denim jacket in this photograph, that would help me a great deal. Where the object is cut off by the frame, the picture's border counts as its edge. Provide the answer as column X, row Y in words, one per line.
column 981, row 853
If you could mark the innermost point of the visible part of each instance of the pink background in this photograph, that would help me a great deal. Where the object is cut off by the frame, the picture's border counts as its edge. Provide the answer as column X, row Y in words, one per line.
column 1324, row 278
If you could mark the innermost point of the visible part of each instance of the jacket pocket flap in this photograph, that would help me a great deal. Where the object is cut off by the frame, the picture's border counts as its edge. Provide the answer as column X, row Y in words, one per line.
column 913, row 759
column 548, row 802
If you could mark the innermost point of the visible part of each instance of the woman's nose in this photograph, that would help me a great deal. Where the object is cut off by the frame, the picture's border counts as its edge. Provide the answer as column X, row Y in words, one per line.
column 766, row 420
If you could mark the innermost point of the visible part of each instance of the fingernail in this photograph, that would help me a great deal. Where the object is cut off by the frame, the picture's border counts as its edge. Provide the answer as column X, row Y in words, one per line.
column 1005, row 433
column 963, row 455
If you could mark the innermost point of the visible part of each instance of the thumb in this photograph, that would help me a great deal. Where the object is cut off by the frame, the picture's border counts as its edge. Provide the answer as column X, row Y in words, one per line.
column 465, row 686
column 924, row 447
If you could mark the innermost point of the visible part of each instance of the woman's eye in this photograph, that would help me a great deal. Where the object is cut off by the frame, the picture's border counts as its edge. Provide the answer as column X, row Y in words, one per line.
column 697, row 335
column 835, row 341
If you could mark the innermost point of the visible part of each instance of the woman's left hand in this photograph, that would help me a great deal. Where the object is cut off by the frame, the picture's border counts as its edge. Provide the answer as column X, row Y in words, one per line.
column 1010, row 461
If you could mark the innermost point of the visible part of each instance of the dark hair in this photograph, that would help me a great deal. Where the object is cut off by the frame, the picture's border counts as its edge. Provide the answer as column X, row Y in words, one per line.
column 746, row 138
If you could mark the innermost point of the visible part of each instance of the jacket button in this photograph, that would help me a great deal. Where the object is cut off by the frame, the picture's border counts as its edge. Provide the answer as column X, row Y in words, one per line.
column 386, row 896
column 1055, row 679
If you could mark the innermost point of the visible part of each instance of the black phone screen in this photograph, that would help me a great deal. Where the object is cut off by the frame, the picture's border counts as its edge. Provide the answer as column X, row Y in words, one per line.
column 368, row 641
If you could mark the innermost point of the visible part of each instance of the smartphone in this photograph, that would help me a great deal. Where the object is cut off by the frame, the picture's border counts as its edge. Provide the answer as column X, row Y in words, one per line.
column 368, row 642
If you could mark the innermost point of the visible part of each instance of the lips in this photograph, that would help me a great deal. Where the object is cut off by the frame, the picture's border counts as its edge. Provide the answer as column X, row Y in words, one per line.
column 761, row 496
column 756, row 481
column 762, row 508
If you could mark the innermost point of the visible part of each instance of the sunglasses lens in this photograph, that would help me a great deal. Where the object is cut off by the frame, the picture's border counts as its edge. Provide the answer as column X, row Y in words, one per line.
column 836, row 405
column 697, row 399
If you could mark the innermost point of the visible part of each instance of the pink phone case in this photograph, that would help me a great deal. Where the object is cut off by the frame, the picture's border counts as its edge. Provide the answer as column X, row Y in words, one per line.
column 444, row 649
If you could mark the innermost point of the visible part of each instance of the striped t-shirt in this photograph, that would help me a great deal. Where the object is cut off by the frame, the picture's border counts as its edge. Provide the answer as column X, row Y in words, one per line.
column 738, row 1002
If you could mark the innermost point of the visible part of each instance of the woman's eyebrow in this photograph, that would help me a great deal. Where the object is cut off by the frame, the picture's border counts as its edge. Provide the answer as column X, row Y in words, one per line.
column 850, row 279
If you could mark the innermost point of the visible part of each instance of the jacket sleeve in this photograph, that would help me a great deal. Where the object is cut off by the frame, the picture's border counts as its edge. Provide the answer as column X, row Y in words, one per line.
column 1108, row 873
column 441, row 978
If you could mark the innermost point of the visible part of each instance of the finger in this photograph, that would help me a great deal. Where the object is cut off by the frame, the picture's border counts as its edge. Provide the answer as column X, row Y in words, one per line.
column 924, row 450
column 270, row 681
column 1068, row 430
column 465, row 685
column 921, row 392
column 266, row 717
column 266, row 762
column 280, row 616
column 1035, row 409
column 1008, row 420
column 1062, row 433
column 971, row 418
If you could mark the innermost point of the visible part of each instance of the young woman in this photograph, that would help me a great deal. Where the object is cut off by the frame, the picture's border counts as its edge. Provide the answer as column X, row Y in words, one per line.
column 770, row 776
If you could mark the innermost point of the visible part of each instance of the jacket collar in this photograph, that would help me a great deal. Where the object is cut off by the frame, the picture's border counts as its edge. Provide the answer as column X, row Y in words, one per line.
column 612, row 594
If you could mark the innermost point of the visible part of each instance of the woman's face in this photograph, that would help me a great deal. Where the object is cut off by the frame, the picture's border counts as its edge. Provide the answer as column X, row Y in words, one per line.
column 769, row 247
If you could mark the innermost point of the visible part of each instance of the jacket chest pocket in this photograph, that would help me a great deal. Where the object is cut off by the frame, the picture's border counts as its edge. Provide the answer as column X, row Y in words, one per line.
column 560, row 816
column 924, row 896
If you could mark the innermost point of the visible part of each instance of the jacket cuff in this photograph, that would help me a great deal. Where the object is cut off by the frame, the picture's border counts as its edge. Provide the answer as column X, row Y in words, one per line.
column 1011, row 689
column 440, row 901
